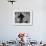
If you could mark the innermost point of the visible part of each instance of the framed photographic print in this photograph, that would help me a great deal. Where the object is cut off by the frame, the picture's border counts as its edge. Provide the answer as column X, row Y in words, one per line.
column 22, row 17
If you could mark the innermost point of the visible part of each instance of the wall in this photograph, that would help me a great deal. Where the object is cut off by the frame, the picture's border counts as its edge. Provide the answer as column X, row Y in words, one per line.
column 9, row 31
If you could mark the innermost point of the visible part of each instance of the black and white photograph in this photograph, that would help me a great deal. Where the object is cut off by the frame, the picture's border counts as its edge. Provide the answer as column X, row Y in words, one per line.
column 23, row 17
